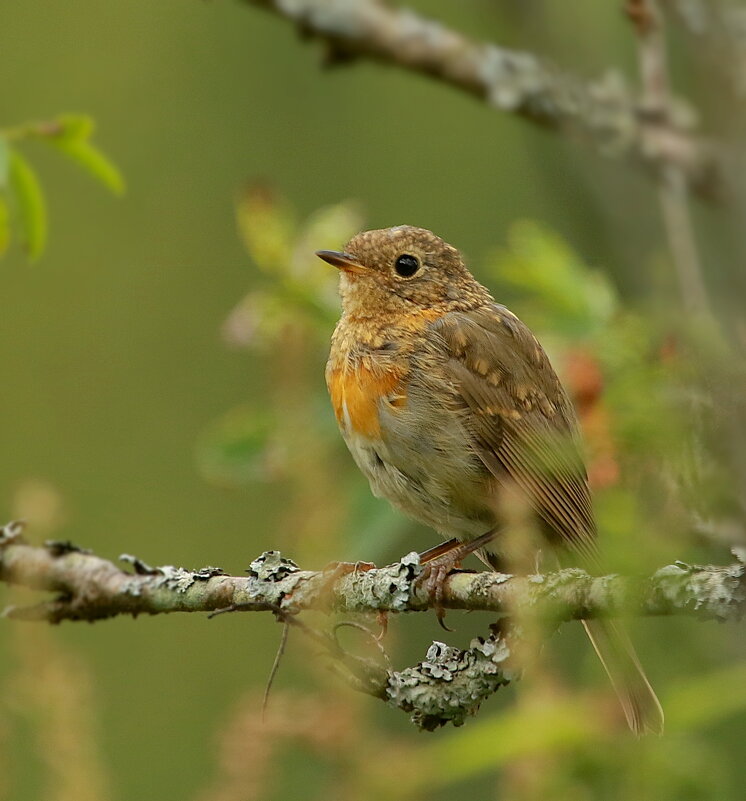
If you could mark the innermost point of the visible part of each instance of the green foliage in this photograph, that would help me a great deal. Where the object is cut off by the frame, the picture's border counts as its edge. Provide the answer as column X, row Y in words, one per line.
column 28, row 198
column 560, row 292
column 22, row 200
column 297, row 297
column 556, row 725
column 4, row 163
column 672, row 767
column 236, row 449
column 4, row 226
column 705, row 700
column 284, row 251
column 4, row 210
column 73, row 138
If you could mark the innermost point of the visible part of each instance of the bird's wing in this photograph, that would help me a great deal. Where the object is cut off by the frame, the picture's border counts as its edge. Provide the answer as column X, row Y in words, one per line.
column 521, row 421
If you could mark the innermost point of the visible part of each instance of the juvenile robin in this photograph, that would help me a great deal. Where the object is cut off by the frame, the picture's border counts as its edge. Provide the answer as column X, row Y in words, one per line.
column 450, row 407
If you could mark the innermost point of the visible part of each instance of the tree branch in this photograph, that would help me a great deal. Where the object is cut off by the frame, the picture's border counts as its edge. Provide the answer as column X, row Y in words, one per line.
column 447, row 686
column 91, row 588
column 602, row 112
column 718, row 31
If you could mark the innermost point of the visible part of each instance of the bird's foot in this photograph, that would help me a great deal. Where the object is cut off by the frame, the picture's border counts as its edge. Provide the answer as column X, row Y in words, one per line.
column 433, row 578
column 440, row 561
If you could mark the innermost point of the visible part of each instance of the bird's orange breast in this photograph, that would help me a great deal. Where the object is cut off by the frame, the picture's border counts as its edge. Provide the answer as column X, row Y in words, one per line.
column 356, row 393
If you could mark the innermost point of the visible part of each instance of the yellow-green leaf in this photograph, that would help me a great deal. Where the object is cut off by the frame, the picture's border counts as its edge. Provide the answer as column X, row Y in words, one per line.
column 4, row 226
column 92, row 160
column 267, row 227
column 4, row 162
column 75, row 126
column 563, row 293
column 28, row 198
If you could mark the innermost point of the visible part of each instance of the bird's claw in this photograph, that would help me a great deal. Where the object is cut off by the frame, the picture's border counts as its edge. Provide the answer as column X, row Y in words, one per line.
column 383, row 621
column 433, row 578
column 439, row 562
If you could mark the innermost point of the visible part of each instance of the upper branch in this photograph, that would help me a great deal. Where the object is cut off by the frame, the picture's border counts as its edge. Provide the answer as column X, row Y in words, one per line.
column 601, row 111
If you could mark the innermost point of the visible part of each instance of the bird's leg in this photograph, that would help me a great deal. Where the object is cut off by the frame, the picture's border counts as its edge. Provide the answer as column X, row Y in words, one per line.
column 439, row 550
column 440, row 561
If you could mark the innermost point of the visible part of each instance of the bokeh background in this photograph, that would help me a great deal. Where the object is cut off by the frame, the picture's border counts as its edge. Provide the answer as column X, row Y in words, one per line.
column 163, row 395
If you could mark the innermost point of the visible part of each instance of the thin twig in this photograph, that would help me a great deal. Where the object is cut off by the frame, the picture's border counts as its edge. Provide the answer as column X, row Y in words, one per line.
column 717, row 30
column 677, row 219
column 657, row 101
column 275, row 667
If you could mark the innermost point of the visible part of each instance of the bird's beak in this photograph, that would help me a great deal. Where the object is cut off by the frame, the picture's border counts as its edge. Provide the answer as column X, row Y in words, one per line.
column 342, row 261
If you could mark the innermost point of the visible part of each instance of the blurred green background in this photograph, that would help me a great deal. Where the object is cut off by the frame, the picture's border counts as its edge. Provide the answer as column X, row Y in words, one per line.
column 115, row 372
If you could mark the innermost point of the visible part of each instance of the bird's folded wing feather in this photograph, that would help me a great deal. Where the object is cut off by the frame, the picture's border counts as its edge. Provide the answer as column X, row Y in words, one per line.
column 521, row 421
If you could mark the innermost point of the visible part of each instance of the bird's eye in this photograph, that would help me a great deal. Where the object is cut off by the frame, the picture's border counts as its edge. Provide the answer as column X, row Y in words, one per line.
column 406, row 265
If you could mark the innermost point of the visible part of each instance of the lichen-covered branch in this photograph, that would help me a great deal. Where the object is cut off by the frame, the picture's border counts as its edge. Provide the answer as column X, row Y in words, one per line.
column 601, row 111
column 447, row 686
column 88, row 587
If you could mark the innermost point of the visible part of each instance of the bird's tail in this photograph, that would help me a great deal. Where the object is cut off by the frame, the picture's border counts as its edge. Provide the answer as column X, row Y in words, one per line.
column 617, row 654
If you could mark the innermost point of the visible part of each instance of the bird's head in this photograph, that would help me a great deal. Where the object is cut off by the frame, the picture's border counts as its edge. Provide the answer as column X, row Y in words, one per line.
column 403, row 269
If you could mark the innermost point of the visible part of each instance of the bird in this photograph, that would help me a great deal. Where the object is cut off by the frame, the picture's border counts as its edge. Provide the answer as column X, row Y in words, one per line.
column 451, row 409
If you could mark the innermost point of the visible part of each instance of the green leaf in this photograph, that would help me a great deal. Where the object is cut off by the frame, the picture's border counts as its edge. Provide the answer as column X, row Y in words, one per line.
column 328, row 228
column 561, row 292
column 71, row 134
column 4, row 226
column 75, row 126
column 31, row 207
column 92, row 160
column 4, row 162
column 266, row 225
